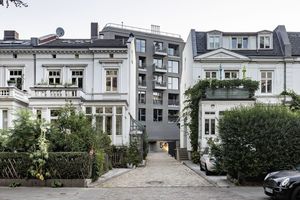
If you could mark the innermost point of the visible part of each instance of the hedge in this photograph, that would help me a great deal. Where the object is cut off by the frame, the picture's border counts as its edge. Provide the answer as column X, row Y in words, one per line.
column 257, row 140
column 61, row 165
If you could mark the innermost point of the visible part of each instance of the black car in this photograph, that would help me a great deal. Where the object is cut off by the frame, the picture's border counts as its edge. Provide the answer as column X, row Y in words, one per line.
column 283, row 184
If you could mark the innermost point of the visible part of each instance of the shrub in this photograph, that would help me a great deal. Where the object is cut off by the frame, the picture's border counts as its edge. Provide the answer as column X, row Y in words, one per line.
column 133, row 155
column 195, row 157
column 14, row 165
column 99, row 166
column 257, row 140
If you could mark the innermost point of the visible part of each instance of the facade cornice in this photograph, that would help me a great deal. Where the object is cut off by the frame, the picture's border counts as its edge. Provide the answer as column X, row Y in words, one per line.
column 62, row 51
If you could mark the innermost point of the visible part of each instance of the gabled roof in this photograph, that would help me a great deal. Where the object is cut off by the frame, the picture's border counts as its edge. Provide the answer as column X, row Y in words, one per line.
column 221, row 54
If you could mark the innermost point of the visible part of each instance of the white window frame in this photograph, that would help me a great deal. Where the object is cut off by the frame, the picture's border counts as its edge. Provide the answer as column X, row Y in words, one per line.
column 140, row 45
column 212, row 39
column 77, row 76
column 231, row 72
column 209, row 126
column 210, row 73
column 140, row 115
column 265, row 44
column 15, row 77
column 4, row 116
column 239, row 39
column 142, row 97
column 55, row 76
column 111, row 78
column 171, row 84
column 265, row 81
column 171, row 68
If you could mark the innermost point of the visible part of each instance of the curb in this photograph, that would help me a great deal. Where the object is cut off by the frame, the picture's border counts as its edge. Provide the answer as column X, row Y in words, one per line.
column 103, row 179
column 204, row 177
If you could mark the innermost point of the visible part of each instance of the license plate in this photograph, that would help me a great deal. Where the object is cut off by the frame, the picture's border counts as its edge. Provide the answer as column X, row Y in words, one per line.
column 269, row 190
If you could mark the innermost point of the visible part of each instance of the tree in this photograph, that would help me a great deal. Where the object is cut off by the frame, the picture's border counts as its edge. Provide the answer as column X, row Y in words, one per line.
column 17, row 3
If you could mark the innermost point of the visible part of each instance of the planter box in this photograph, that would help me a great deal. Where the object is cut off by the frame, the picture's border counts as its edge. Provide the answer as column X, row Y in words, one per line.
column 46, row 183
column 227, row 93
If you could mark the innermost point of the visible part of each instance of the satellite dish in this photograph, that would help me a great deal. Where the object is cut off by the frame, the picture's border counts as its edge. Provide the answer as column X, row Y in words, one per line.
column 60, row 32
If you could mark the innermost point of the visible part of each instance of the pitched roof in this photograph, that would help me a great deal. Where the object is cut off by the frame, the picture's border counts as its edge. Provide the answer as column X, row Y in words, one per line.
column 84, row 43
column 294, row 38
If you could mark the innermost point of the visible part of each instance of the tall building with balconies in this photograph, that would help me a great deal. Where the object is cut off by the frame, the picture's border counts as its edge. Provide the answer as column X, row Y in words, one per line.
column 158, row 60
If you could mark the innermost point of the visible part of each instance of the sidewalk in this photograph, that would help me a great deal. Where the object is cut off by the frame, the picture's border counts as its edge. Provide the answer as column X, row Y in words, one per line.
column 219, row 181
column 115, row 172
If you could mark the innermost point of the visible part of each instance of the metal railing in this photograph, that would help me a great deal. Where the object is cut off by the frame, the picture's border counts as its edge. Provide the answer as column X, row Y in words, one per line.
column 122, row 26
column 162, row 68
column 173, row 102
column 159, row 85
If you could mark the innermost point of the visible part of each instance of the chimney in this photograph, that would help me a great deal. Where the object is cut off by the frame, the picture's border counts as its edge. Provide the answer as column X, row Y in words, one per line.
column 11, row 35
column 94, row 30
column 155, row 29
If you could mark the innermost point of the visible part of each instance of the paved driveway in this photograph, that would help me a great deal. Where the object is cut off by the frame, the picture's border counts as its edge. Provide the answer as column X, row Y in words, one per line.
column 161, row 171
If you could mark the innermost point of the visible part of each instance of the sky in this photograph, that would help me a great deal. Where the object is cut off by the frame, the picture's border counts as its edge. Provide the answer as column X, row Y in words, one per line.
column 42, row 17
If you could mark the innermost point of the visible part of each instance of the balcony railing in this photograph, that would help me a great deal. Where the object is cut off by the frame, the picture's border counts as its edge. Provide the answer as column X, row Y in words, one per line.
column 53, row 92
column 173, row 102
column 159, row 51
column 142, row 67
column 172, row 119
column 159, row 85
column 142, row 83
column 157, row 101
column 13, row 93
column 162, row 68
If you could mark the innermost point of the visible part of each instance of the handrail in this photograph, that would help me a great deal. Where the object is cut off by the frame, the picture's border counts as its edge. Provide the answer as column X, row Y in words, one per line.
column 122, row 26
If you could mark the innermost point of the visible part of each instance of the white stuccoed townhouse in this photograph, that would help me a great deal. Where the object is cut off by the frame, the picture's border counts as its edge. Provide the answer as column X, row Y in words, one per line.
column 96, row 75
column 270, row 57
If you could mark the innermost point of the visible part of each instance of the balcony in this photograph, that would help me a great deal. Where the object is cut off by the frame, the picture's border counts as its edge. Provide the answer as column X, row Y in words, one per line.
column 159, row 85
column 160, row 69
column 142, row 83
column 13, row 93
column 157, row 51
column 173, row 102
column 142, row 67
column 56, row 92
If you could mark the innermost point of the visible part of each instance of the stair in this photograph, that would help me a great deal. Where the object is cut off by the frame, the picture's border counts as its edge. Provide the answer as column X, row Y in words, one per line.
column 182, row 154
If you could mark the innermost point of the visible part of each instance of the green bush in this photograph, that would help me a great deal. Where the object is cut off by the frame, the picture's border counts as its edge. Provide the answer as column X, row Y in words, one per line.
column 257, row 140
column 14, row 165
column 133, row 154
column 195, row 157
column 99, row 165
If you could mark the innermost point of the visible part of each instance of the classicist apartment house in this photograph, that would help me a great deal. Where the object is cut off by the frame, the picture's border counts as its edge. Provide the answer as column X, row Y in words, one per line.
column 270, row 57
column 96, row 75
column 158, row 74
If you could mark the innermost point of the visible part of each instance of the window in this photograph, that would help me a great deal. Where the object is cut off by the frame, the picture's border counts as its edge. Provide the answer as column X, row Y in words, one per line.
column 108, row 120
column 39, row 114
column 173, row 50
column 142, row 97
column 111, row 80
column 266, row 81
column 173, row 99
column 4, row 119
column 173, row 116
column 119, row 116
column 157, row 115
column 158, row 63
column 89, row 114
column 173, row 66
column 231, row 74
column 15, row 55
column 158, row 46
column 172, row 83
column 140, row 45
column 159, row 79
column 17, row 76
column 210, row 74
column 53, row 55
column 142, row 114
column 142, row 80
column 239, row 42
column 76, row 55
column 157, row 98
column 264, row 42
column 54, row 115
column 209, row 127
column 54, row 77
column 214, row 41
column 77, row 78
column 142, row 62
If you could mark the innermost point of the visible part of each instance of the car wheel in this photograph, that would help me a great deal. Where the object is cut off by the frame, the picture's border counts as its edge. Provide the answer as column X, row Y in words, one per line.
column 206, row 171
column 296, row 194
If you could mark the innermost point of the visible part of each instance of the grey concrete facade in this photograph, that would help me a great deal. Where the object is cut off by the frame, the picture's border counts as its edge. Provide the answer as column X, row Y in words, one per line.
column 166, row 129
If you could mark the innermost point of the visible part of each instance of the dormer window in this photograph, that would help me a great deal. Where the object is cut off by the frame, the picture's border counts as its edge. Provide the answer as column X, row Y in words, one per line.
column 265, row 42
column 214, row 41
column 239, row 42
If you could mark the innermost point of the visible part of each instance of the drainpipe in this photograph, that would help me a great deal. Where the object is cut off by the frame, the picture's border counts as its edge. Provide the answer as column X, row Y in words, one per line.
column 93, row 76
column 284, row 81
column 34, row 69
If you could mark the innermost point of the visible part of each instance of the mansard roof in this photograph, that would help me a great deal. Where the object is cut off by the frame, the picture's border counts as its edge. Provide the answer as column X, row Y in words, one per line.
column 294, row 38
column 201, row 45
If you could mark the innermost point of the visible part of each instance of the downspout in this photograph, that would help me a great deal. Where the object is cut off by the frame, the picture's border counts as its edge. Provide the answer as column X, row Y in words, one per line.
column 284, row 81
column 93, row 77
column 34, row 69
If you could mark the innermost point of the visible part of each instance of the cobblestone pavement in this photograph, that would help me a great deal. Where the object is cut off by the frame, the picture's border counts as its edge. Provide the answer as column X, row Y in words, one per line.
column 161, row 171
column 150, row 193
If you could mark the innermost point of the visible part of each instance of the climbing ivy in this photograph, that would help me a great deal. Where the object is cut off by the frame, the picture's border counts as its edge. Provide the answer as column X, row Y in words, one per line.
column 197, row 92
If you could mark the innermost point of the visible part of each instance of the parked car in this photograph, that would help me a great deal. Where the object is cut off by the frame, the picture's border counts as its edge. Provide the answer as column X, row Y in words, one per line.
column 283, row 184
column 207, row 164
